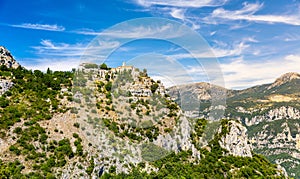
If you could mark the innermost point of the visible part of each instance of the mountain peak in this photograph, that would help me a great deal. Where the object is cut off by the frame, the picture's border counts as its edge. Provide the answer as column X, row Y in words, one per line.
column 287, row 77
column 7, row 59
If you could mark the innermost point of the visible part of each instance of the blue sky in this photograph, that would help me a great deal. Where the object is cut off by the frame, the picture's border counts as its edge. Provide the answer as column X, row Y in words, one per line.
column 254, row 41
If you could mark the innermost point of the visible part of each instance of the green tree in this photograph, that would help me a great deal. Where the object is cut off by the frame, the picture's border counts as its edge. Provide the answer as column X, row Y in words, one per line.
column 154, row 87
column 103, row 66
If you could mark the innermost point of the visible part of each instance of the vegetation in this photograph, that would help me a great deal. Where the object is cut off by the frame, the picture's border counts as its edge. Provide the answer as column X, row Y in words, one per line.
column 91, row 65
column 103, row 66
column 33, row 96
column 199, row 128
column 213, row 164
column 37, row 96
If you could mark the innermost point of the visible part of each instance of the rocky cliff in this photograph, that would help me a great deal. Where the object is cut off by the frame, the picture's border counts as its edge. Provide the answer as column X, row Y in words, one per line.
column 236, row 140
column 270, row 112
column 7, row 59
column 283, row 112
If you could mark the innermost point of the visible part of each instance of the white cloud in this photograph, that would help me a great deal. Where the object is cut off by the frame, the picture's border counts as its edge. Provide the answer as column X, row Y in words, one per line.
column 240, row 74
column 177, row 8
column 48, row 48
column 48, row 27
column 290, row 37
column 59, row 64
column 248, row 13
column 235, row 51
column 56, row 56
column 212, row 33
column 220, row 51
column 133, row 31
column 142, row 31
column 293, row 58
column 63, row 56
column 178, row 13
column 87, row 32
column 181, row 3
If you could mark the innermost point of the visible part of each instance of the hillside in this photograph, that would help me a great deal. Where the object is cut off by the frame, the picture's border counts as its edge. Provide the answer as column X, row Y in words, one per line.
column 269, row 111
column 97, row 121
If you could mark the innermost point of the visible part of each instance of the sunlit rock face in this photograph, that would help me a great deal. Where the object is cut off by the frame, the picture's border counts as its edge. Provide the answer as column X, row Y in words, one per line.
column 236, row 140
column 7, row 59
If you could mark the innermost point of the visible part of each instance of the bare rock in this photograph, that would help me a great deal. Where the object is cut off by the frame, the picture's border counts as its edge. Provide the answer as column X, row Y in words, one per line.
column 7, row 59
column 236, row 140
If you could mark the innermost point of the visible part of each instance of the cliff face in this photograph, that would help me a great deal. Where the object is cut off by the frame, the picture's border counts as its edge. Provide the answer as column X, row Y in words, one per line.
column 283, row 112
column 271, row 114
column 236, row 140
column 7, row 60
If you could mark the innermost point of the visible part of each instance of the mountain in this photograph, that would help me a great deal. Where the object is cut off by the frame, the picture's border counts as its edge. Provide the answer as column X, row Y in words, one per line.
column 270, row 112
column 106, row 122
column 195, row 98
column 286, row 78
column 7, row 59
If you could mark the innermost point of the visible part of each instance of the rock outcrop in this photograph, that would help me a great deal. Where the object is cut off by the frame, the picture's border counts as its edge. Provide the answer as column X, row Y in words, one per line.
column 282, row 112
column 284, row 79
column 7, row 59
column 5, row 85
column 236, row 140
column 180, row 141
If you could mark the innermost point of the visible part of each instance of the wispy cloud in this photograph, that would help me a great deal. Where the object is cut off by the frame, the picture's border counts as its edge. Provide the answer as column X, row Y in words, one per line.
column 56, row 64
column 220, row 50
column 181, row 3
column 178, row 13
column 49, row 48
column 48, row 27
column 56, row 56
column 289, row 37
column 63, row 56
column 136, row 31
column 177, row 8
column 248, row 13
column 86, row 31
column 241, row 74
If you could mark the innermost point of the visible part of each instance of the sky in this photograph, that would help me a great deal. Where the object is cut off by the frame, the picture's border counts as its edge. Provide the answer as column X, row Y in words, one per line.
column 254, row 42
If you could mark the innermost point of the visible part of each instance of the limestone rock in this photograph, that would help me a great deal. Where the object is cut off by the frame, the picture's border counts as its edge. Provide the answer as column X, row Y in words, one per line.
column 236, row 140
column 5, row 85
column 7, row 59
column 180, row 140
column 284, row 79
column 281, row 171
column 283, row 112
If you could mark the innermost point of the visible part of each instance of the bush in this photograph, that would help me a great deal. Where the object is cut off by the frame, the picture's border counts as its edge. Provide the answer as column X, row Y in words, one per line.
column 77, row 125
column 103, row 66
